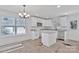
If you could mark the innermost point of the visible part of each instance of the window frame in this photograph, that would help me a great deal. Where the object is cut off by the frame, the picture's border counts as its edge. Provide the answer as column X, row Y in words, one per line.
column 15, row 26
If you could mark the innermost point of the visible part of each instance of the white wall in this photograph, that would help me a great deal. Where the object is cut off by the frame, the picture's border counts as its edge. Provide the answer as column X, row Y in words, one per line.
column 71, row 33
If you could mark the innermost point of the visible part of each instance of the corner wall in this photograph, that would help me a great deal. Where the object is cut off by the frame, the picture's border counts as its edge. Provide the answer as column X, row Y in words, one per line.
column 72, row 34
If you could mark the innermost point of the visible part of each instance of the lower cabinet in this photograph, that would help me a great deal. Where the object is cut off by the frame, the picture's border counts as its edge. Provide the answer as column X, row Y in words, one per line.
column 35, row 35
column 48, row 38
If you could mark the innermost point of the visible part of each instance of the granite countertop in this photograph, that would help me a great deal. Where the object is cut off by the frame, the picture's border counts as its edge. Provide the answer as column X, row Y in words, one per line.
column 61, row 29
column 49, row 29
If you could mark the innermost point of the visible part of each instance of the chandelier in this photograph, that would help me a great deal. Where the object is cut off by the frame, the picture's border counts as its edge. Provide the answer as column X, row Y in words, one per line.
column 23, row 14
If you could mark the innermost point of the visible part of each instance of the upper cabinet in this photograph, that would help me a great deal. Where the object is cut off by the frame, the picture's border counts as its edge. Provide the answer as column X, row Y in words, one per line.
column 63, row 21
column 41, row 22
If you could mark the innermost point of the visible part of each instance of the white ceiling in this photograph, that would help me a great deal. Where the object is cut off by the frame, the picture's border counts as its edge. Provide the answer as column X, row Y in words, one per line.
column 40, row 10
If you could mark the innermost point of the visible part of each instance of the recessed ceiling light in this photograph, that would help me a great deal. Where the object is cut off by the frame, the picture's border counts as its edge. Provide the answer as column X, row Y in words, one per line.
column 58, row 6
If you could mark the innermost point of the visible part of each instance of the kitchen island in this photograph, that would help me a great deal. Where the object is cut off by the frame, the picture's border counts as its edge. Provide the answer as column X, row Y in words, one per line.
column 48, row 37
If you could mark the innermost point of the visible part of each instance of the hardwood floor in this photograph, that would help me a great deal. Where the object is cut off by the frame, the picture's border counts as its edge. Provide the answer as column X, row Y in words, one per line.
column 35, row 46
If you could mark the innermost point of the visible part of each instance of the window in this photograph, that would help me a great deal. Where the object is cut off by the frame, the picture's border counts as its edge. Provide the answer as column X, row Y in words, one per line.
column 12, row 26
column 20, row 30
column 8, row 30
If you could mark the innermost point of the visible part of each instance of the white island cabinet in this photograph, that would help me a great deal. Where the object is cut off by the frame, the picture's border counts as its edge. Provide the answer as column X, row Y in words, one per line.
column 48, row 38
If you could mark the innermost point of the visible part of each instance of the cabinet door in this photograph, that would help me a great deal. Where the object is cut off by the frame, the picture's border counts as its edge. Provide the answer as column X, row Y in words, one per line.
column 62, row 27
column 63, row 21
column 60, row 35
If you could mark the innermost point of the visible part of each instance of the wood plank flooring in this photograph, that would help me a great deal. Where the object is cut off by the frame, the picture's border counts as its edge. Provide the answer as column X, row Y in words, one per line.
column 35, row 46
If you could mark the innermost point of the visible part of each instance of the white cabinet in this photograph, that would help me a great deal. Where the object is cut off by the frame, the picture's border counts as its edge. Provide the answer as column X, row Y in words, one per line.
column 49, row 38
column 35, row 35
column 62, row 27
column 60, row 35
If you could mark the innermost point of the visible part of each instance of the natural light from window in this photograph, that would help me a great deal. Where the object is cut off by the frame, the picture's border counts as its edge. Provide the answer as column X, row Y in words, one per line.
column 12, row 26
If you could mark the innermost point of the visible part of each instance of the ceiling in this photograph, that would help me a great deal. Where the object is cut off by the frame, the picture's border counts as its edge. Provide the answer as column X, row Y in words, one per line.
column 39, row 10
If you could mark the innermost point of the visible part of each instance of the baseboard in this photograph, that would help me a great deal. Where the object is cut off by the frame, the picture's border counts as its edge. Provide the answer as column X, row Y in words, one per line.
column 60, row 39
